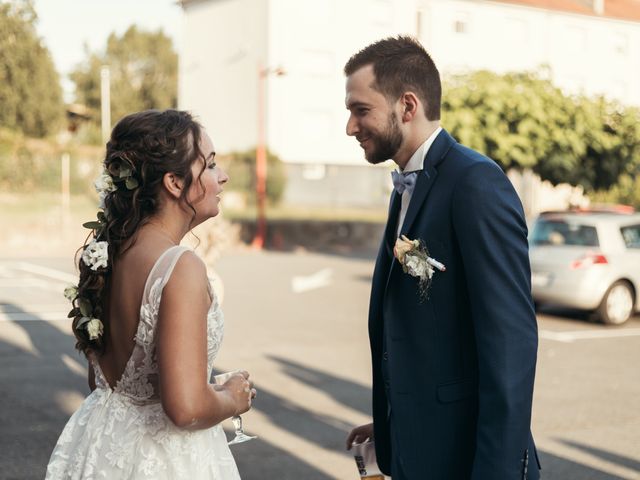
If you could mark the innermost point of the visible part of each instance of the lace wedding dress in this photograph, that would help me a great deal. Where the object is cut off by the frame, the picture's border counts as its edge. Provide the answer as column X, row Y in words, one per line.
column 123, row 432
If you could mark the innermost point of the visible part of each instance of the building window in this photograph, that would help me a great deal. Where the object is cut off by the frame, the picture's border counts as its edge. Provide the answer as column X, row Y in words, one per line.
column 316, row 171
column 461, row 23
column 621, row 44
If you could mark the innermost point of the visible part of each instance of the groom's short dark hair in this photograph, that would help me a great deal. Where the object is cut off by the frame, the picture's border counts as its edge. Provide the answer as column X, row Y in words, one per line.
column 400, row 64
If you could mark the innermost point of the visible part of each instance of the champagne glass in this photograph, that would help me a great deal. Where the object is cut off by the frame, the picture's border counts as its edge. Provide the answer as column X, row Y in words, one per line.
column 240, row 436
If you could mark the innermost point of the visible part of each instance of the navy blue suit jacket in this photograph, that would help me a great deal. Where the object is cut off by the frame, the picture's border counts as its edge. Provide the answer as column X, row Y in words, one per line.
column 460, row 364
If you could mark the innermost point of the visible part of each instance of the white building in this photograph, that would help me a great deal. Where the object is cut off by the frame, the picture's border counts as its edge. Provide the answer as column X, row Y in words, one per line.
column 591, row 46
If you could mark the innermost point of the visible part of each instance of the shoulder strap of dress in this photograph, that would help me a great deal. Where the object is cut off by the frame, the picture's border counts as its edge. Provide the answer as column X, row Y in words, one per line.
column 163, row 268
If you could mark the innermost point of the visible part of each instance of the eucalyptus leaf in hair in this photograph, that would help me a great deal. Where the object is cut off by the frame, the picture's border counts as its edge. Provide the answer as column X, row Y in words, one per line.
column 131, row 183
column 84, row 320
column 93, row 225
column 85, row 306
column 125, row 172
column 97, row 225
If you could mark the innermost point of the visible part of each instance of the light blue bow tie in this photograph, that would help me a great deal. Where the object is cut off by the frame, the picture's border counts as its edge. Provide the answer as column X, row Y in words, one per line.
column 404, row 181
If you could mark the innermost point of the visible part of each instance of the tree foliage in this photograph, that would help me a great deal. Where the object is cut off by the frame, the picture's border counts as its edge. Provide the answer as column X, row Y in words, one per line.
column 30, row 91
column 522, row 121
column 626, row 192
column 241, row 167
column 143, row 70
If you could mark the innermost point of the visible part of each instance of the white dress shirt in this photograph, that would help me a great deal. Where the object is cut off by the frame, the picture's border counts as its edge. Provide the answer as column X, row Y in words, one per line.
column 416, row 162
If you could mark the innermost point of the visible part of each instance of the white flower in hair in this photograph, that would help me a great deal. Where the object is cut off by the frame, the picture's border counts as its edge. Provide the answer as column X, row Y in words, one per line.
column 94, row 328
column 104, row 185
column 71, row 292
column 96, row 255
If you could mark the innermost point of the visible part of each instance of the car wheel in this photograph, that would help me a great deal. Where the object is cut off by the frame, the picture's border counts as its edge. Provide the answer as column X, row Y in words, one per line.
column 617, row 304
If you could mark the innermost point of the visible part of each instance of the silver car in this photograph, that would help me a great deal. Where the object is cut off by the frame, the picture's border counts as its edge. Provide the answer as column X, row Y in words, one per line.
column 587, row 260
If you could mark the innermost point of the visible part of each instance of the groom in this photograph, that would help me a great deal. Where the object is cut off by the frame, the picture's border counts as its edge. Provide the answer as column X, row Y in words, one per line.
column 453, row 370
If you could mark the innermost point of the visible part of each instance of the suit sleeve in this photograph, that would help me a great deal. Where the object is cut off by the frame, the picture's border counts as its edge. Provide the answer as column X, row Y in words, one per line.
column 492, row 237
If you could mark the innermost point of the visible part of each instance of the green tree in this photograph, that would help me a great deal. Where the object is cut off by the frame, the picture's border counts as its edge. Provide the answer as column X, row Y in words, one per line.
column 143, row 69
column 522, row 120
column 626, row 192
column 30, row 91
column 241, row 167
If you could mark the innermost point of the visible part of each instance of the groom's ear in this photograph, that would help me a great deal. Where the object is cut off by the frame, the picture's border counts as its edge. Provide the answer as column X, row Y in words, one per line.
column 410, row 104
column 173, row 184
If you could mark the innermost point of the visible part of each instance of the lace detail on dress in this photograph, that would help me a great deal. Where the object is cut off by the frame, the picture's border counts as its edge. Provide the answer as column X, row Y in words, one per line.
column 123, row 432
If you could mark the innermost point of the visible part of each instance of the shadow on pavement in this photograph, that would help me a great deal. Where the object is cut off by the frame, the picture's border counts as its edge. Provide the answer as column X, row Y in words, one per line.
column 30, row 414
column 567, row 313
column 571, row 314
column 630, row 463
column 324, row 430
column 558, row 468
column 344, row 391
column 31, row 419
column 259, row 459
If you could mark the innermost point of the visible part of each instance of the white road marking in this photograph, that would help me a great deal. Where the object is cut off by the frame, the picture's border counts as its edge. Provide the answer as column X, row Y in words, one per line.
column 319, row 279
column 33, row 317
column 33, row 307
column 46, row 272
column 30, row 283
column 569, row 337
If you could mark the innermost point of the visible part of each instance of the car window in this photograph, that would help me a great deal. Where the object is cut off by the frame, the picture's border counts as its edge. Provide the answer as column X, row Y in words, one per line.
column 549, row 231
column 631, row 236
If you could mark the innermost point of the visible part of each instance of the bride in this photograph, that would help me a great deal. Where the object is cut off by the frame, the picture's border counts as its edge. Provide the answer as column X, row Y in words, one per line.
column 146, row 317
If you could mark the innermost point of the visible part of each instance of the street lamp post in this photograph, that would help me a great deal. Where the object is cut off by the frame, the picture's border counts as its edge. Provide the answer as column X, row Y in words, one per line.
column 261, row 157
column 105, row 102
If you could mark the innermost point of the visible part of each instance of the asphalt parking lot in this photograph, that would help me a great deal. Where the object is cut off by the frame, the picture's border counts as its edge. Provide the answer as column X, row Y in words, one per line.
column 297, row 322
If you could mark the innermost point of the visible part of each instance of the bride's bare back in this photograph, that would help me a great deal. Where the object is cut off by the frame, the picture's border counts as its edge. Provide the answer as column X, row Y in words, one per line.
column 128, row 279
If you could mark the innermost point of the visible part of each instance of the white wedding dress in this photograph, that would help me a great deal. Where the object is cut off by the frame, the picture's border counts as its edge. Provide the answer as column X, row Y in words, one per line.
column 123, row 432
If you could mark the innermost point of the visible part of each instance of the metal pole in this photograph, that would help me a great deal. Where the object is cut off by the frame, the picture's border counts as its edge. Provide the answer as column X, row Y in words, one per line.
column 105, row 101
column 65, row 161
column 261, row 165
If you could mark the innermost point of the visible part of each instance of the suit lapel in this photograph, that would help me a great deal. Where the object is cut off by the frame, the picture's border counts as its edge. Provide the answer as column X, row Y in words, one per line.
column 381, row 271
column 426, row 178
column 392, row 222
column 424, row 182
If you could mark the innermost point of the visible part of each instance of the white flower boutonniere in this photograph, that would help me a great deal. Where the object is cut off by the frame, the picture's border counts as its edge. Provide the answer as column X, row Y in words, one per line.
column 415, row 260
column 96, row 255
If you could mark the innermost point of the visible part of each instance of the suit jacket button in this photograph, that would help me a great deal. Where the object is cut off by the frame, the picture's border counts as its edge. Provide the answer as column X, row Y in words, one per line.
column 385, row 356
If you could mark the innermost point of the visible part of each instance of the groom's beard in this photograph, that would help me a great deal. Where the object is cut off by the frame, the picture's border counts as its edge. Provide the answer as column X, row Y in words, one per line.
column 387, row 144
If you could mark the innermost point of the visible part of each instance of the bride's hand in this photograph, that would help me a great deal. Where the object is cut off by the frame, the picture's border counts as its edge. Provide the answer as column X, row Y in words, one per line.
column 360, row 435
column 241, row 390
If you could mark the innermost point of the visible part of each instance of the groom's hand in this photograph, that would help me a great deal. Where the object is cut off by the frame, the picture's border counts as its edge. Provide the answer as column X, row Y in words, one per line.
column 360, row 435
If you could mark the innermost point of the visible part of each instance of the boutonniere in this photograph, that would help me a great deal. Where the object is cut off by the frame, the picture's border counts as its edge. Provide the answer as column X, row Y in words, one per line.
column 415, row 260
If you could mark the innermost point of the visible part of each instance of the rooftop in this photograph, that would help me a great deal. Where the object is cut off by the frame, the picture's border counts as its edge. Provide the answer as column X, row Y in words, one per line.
column 620, row 9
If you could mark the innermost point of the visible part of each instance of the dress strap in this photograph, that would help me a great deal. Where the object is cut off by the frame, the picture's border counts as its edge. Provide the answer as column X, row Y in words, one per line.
column 162, row 269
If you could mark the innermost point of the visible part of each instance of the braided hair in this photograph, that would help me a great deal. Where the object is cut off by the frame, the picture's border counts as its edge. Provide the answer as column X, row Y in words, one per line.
column 143, row 147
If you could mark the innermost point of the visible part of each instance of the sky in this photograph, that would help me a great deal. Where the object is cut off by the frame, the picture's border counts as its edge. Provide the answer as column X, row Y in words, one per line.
column 66, row 26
